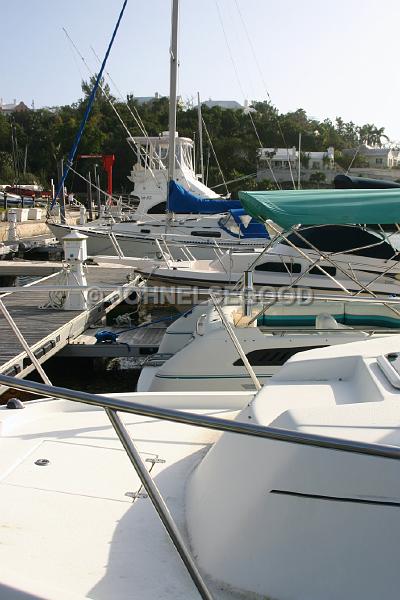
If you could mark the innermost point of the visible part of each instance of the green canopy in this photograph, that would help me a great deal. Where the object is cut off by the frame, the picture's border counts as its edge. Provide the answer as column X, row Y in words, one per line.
column 323, row 207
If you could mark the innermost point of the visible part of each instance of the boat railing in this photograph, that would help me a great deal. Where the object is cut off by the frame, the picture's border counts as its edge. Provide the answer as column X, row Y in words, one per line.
column 115, row 244
column 183, row 247
column 370, row 331
column 235, row 342
column 113, row 406
column 258, row 296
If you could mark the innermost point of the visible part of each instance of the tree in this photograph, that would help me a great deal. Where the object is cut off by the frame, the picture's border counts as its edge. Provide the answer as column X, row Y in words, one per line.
column 48, row 135
column 317, row 177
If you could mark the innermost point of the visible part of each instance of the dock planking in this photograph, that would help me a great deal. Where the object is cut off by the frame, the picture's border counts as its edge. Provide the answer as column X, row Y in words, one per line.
column 139, row 342
column 33, row 268
column 47, row 330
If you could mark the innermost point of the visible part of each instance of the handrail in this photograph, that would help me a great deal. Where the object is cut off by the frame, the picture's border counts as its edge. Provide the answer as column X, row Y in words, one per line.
column 158, row 502
column 23, row 342
column 165, row 256
column 208, row 422
column 236, row 343
column 226, row 292
column 112, row 405
column 116, row 245
column 145, row 478
column 186, row 248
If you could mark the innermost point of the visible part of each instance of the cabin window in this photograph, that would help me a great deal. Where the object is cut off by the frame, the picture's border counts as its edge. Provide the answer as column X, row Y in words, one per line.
column 206, row 233
column 279, row 267
column 330, row 270
column 145, row 231
column 272, row 357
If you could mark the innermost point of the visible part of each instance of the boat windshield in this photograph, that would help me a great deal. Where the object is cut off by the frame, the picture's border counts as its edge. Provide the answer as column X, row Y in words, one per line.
column 228, row 223
column 343, row 238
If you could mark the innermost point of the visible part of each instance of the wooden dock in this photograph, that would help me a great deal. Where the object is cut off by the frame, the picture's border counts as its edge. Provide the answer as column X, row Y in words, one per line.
column 139, row 342
column 47, row 330
column 32, row 268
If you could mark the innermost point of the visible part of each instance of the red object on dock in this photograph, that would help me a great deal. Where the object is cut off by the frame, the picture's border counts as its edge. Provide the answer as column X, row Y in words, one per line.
column 108, row 162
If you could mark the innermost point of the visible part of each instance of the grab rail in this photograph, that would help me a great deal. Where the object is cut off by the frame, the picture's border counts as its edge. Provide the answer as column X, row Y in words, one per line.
column 116, row 245
column 112, row 405
column 187, row 418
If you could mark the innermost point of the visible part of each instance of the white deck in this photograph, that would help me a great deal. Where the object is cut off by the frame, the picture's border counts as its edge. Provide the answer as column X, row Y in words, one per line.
column 68, row 530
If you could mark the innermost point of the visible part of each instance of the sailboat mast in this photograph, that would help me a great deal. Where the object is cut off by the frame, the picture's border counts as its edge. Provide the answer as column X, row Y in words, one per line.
column 200, row 136
column 172, row 88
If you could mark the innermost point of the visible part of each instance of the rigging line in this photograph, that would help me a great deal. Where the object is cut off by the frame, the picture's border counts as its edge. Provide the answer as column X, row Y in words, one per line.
column 137, row 118
column 272, row 171
column 106, row 194
column 263, row 81
column 259, row 67
column 74, row 58
column 215, row 155
column 139, row 122
column 241, row 88
column 94, row 186
column 100, row 86
column 251, row 176
column 78, row 136
column 130, row 138
column 235, row 69
column 353, row 159
column 229, row 48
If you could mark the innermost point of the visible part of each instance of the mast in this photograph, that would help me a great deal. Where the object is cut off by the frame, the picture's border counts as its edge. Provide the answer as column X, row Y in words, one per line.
column 200, row 136
column 172, row 88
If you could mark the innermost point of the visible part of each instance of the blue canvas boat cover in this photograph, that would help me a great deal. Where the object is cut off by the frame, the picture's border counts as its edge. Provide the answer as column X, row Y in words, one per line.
column 181, row 201
column 254, row 229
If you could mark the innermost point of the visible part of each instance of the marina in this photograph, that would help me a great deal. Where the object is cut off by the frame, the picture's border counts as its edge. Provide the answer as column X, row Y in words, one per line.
column 46, row 328
column 199, row 309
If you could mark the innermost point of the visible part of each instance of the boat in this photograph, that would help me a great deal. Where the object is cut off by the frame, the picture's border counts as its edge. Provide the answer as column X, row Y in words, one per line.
column 282, row 265
column 317, row 244
column 174, row 206
column 343, row 181
column 8, row 251
column 213, row 226
column 310, row 486
column 268, row 335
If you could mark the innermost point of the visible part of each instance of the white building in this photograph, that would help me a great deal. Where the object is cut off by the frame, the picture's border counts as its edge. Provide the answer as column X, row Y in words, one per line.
column 376, row 158
column 284, row 161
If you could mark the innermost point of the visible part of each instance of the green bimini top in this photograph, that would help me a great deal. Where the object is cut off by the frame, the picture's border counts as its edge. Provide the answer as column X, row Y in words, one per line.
column 323, row 207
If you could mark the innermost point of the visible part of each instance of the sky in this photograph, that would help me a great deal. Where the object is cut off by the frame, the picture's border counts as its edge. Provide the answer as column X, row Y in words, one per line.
column 337, row 58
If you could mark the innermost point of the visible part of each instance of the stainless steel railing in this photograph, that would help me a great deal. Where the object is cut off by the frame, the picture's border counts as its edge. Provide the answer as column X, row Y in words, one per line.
column 112, row 405
column 188, row 418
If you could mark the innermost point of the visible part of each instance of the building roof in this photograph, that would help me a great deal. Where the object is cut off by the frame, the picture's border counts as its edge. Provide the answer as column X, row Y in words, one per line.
column 230, row 104
column 373, row 151
column 9, row 108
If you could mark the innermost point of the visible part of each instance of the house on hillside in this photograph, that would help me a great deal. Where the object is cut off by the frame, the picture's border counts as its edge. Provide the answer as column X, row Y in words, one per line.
column 157, row 96
column 9, row 109
column 229, row 105
column 284, row 162
column 376, row 158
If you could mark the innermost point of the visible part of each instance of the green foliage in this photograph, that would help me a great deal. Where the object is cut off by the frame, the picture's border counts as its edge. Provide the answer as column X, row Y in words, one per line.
column 348, row 160
column 305, row 159
column 317, row 177
column 48, row 135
